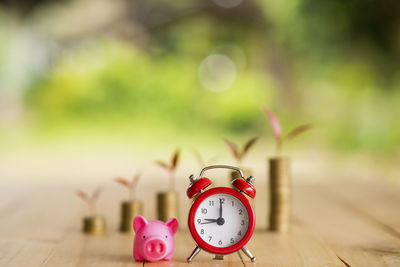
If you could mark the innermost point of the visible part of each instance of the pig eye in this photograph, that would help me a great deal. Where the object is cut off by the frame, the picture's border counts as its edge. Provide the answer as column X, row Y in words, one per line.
column 144, row 236
column 166, row 236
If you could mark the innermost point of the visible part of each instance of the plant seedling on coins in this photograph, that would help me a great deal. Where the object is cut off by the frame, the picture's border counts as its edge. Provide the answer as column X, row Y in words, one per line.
column 170, row 167
column 90, row 199
column 130, row 185
column 277, row 130
column 240, row 154
column 201, row 160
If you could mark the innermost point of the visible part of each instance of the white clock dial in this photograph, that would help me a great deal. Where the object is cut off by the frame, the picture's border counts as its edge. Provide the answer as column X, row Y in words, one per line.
column 225, row 230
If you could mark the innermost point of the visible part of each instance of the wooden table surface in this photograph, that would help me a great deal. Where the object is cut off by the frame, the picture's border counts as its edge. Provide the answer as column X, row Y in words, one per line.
column 333, row 225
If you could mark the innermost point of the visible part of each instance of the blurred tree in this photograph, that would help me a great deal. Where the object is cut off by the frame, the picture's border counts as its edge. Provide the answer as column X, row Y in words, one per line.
column 336, row 62
column 24, row 7
column 365, row 29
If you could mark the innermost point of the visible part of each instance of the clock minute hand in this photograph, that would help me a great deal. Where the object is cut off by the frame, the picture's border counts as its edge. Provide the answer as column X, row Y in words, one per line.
column 220, row 208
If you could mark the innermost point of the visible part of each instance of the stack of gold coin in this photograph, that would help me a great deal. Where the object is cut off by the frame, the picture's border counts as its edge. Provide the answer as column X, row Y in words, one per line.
column 280, row 194
column 247, row 173
column 235, row 174
column 129, row 209
column 167, row 205
column 94, row 225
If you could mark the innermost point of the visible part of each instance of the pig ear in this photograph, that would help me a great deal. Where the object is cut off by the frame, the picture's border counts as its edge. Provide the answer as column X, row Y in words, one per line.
column 173, row 225
column 138, row 223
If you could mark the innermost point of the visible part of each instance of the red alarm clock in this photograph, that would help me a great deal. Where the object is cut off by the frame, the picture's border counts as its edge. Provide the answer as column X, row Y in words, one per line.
column 221, row 220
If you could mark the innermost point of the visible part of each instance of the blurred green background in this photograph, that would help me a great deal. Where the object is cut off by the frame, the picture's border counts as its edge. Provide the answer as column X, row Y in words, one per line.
column 91, row 88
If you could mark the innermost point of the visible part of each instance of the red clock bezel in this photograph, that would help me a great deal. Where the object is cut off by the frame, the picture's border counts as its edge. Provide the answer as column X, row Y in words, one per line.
column 203, row 244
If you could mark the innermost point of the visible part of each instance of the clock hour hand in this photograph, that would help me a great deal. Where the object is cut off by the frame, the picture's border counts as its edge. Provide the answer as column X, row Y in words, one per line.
column 209, row 221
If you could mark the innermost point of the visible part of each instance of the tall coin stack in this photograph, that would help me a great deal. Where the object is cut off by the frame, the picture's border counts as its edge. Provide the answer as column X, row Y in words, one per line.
column 235, row 175
column 280, row 194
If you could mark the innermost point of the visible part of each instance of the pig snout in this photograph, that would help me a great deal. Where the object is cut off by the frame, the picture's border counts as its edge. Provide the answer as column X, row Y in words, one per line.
column 155, row 249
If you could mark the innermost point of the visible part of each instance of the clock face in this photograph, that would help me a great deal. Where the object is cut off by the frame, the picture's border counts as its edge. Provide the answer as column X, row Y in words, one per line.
column 221, row 220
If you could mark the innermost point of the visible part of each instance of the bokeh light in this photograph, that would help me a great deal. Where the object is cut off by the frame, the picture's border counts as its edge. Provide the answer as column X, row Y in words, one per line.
column 217, row 72
column 228, row 3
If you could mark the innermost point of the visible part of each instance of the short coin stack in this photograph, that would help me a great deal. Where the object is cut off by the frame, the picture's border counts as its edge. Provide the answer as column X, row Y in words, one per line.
column 94, row 225
column 280, row 194
column 129, row 210
column 168, row 205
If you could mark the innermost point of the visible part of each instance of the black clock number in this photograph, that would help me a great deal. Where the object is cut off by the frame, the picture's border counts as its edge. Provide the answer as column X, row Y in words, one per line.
column 242, row 222
column 204, row 211
column 233, row 203
column 202, row 231
column 222, row 200
column 209, row 238
column 240, row 212
column 198, row 220
column 220, row 242
column 232, row 240
column 211, row 203
column 240, row 233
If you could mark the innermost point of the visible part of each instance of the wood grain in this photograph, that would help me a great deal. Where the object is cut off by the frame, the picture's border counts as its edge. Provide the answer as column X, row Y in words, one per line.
column 333, row 225
column 356, row 239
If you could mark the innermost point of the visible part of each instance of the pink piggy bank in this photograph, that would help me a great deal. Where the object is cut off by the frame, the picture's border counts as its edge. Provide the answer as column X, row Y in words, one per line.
column 154, row 240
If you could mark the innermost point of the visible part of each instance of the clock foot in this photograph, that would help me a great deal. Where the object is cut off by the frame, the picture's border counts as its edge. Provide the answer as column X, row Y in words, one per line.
column 218, row 257
column 195, row 251
column 248, row 254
